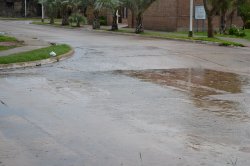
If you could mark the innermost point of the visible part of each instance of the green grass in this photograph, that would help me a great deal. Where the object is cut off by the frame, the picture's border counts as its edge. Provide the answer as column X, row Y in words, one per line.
column 58, row 23
column 247, row 37
column 35, row 55
column 3, row 48
column 19, row 18
column 4, row 38
column 247, row 31
column 182, row 36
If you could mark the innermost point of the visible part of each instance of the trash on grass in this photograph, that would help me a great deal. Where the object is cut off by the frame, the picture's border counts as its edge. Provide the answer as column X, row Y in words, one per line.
column 52, row 53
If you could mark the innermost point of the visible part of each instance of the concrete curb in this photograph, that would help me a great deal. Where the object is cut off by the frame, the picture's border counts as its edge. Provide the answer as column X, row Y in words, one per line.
column 37, row 63
column 165, row 38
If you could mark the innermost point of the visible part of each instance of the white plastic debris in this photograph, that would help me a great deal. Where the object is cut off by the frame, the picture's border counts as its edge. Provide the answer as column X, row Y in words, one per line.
column 2, row 33
column 52, row 53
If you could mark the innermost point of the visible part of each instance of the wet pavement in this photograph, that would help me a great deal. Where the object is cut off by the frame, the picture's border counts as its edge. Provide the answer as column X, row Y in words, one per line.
column 126, row 101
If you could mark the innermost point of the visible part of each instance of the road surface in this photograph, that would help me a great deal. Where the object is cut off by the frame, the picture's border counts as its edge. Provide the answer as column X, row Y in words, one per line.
column 126, row 101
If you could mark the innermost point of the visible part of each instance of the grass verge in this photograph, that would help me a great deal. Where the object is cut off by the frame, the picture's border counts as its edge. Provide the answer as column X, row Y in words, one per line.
column 247, row 37
column 35, row 55
column 3, row 48
column 12, row 42
column 247, row 31
column 57, row 23
column 181, row 36
column 19, row 18
column 4, row 38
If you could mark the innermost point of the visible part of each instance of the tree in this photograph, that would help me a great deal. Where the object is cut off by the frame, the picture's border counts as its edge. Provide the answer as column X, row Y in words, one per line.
column 111, row 5
column 211, row 8
column 96, row 12
column 138, row 7
column 225, row 6
column 232, row 11
column 52, row 7
column 65, row 11
column 244, row 10
column 68, row 7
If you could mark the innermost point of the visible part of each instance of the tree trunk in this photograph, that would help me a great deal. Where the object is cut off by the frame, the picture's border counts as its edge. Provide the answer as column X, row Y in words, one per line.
column 65, row 16
column 65, row 19
column 210, row 29
column 114, row 23
column 51, row 20
column 85, row 11
column 96, row 21
column 139, row 23
column 231, row 17
column 223, row 23
column 78, row 24
column 133, row 19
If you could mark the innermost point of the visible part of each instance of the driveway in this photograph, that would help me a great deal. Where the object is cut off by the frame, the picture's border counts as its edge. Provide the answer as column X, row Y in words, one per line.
column 126, row 101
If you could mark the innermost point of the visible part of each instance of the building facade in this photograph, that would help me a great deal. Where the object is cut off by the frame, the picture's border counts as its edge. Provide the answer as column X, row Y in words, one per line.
column 173, row 15
column 15, row 8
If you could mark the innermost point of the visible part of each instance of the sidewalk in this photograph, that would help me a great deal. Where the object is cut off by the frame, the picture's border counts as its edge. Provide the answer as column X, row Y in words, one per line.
column 29, row 45
column 237, row 40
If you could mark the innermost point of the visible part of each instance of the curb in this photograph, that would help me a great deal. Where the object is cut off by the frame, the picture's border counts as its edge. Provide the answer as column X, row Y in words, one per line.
column 37, row 63
column 165, row 38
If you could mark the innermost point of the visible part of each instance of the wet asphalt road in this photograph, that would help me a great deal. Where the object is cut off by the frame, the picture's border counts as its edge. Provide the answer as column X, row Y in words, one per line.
column 126, row 101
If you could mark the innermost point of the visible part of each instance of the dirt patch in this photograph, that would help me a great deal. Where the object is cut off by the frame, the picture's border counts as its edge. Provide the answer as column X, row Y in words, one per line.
column 8, row 43
column 200, row 85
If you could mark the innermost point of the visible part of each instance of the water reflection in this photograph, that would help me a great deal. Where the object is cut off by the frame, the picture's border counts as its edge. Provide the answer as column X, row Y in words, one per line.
column 200, row 85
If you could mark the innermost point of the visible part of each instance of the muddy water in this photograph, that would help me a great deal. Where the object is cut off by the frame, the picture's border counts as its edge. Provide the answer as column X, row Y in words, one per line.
column 202, row 86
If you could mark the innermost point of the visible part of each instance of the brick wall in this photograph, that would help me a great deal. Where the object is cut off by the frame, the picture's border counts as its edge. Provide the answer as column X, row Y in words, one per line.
column 173, row 15
column 15, row 8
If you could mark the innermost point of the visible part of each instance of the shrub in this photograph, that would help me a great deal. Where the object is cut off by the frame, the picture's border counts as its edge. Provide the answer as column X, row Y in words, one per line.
column 103, row 20
column 77, row 19
column 234, row 30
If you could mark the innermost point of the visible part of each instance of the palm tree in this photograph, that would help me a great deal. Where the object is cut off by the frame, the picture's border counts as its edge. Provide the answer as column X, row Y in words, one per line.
column 138, row 7
column 225, row 6
column 232, row 11
column 68, row 7
column 96, row 12
column 211, row 8
column 65, row 11
column 111, row 5
column 244, row 11
column 52, row 7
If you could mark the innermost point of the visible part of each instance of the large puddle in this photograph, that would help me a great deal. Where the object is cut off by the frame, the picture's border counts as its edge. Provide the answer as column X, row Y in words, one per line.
column 202, row 86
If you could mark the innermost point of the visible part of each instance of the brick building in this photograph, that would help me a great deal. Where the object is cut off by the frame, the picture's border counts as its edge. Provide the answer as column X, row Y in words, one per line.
column 173, row 15
column 15, row 8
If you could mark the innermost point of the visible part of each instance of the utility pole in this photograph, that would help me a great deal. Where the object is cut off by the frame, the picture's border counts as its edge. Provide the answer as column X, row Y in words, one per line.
column 42, row 12
column 190, row 34
column 25, row 8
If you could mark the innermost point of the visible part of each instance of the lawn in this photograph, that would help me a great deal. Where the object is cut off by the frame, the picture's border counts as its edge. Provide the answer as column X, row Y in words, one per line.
column 4, row 38
column 57, row 23
column 19, row 18
column 3, row 48
column 35, row 55
column 247, row 31
column 182, row 36
column 7, row 42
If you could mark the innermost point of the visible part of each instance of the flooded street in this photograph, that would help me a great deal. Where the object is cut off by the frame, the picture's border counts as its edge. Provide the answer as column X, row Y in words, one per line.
column 126, row 101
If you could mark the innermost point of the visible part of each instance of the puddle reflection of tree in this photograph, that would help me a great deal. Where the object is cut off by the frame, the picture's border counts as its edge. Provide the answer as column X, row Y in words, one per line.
column 200, row 85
